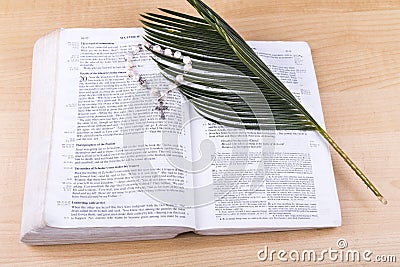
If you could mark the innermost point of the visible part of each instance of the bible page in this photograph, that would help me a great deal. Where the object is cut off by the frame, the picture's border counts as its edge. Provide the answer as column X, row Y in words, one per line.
column 108, row 165
column 267, row 180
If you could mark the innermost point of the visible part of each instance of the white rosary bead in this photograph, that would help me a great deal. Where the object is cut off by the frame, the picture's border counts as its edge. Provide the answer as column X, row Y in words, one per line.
column 168, row 52
column 135, row 49
column 179, row 78
column 157, row 49
column 129, row 65
column 146, row 44
column 130, row 73
column 177, row 54
column 187, row 67
column 187, row 60
column 136, row 77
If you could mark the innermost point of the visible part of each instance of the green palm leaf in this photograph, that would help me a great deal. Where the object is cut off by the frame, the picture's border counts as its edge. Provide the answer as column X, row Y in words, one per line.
column 229, row 84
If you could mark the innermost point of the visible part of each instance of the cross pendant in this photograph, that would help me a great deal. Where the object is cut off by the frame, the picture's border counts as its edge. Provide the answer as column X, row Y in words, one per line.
column 161, row 108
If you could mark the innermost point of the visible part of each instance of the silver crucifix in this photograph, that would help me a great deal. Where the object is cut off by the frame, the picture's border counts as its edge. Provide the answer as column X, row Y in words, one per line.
column 161, row 108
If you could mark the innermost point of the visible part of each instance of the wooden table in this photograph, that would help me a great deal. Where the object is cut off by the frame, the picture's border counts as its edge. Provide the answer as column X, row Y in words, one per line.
column 356, row 50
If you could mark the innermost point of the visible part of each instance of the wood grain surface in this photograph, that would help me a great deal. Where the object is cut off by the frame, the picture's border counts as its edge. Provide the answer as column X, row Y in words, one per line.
column 356, row 51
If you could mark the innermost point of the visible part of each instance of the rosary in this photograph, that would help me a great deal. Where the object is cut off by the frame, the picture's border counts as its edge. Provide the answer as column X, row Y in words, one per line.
column 136, row 77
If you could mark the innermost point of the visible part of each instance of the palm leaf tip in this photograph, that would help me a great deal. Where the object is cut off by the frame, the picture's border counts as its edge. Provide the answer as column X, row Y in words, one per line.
column 211, row 43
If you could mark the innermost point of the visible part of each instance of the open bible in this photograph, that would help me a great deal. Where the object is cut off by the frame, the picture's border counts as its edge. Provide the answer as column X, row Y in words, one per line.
column 107, row 163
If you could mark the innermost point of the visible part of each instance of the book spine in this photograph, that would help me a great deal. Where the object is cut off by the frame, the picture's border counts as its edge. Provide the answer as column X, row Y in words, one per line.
column 43, row 91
